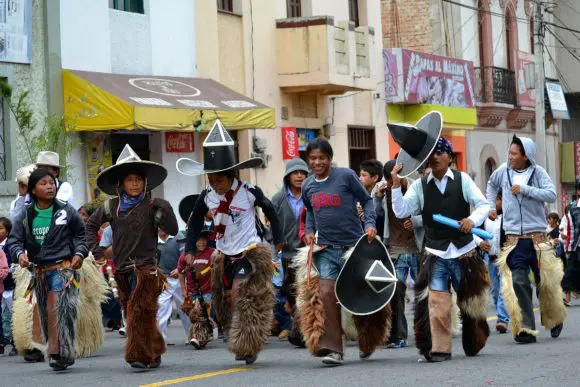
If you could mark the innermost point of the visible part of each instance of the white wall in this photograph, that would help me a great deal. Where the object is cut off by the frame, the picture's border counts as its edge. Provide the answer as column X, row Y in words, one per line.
column 130, row 43
column 336, row 8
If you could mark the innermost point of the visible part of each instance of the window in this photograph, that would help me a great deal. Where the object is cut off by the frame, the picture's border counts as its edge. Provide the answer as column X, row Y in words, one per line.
column 135, row 6
column 294, row 8
column 511, row 42
column 353, row 12
column 361, row 145
column 225, row 5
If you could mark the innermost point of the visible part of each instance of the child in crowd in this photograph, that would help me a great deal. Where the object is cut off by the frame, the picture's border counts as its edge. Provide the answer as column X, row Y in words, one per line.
column 8, row 294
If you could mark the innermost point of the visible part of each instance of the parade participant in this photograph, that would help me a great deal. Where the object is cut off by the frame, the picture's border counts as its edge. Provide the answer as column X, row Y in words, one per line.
column 330, row 196
column 570, row 227
column 50, row 161
column 526, row 187
column 370, row 175
column 450, row 254
column 9, row 285
column 51, row 235
column 168, row 248
column 134, row 221
column 22, row 175
column 404, row 238
column 288, row 205
column 243, row 294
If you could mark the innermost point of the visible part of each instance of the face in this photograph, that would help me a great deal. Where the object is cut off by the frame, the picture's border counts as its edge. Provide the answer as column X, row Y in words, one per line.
column 84, row 214
column 319, row 162
column 162, row 234
column 3, row 232
column 53, row 171
column 552, row 222
column 517, row 159
column 45, row 189
column 439, row 162
column 221, row 184
column 367, row 180
column 296, row 179
column 133, row 185
column 201, row 243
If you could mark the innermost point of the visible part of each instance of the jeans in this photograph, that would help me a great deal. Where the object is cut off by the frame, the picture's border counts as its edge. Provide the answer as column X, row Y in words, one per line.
column 406, row 264
column 7, row 300
column 443, row 271
column 328, row 262
column 284, row 320
column 495, row 279
column 55, row 280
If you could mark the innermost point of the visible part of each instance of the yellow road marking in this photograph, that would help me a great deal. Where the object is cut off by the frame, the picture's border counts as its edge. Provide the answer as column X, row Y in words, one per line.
column 493, row 318
column 197, row 377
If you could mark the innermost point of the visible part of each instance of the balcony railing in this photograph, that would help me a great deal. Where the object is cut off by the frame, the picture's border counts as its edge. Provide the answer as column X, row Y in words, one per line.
column 495, row 84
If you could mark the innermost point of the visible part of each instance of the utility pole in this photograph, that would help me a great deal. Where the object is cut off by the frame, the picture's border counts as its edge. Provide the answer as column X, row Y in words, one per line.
column 540, row 82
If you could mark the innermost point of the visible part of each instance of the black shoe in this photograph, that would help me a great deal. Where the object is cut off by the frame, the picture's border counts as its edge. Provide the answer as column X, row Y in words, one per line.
column 333, row 359
column 34, row 356
column 13, row 352
column 437, row 357
column 251, row 359
column 156, row 363
column 365, row 355
column 525, row 338
column 139, row 365
column 555, row 332
column 59, row 364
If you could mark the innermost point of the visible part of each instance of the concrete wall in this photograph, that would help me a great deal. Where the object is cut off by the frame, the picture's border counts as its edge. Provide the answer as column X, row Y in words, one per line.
column 566, row 62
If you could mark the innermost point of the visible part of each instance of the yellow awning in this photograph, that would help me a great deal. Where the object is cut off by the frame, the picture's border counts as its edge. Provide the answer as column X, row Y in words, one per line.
column 102, row 101
column 456, row 118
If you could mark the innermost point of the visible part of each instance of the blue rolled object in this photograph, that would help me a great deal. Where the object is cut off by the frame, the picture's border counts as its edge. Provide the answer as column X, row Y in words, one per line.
column 455, row 224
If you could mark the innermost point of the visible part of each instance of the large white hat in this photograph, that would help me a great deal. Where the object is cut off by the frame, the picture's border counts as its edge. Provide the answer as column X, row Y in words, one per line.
column 23, row 173
column 49, row 158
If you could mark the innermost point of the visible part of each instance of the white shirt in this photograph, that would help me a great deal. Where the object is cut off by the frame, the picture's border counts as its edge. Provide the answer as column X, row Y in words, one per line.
column 520, row 178
column 65, row 192
column 494, row 227
column 413, row 202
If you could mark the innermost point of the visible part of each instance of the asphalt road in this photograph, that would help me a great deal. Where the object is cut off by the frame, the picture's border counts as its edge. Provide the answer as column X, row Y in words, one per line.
column 550, row 362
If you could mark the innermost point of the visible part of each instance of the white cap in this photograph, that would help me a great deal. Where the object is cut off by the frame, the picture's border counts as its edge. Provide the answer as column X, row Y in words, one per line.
column 23, row 173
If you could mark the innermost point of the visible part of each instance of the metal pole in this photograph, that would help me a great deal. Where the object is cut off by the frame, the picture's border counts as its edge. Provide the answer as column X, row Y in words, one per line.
column 540, row 81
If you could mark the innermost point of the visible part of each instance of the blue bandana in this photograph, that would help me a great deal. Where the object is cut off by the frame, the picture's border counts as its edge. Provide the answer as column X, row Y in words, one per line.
column 444, row 146
column 127, row 202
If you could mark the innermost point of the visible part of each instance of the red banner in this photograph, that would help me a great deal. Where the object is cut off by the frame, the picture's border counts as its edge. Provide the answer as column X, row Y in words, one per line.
column 176, row 142
column 577, row 158
column 289, row 144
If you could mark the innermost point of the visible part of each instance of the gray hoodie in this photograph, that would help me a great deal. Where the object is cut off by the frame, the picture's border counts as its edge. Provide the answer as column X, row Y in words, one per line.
column 522, row 214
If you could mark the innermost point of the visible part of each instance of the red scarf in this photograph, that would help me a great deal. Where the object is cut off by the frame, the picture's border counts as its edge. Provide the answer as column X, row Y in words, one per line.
column 222, row 214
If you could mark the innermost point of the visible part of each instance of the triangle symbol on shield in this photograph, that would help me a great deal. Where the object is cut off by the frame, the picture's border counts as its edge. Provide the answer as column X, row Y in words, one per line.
column 378, row 277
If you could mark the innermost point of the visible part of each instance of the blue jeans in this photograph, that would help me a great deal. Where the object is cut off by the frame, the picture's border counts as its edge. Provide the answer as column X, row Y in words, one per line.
column 443, row 271
column 406, row 264
column 495, row 279
column 54, row 280
column 284, row 320
column 328, row 262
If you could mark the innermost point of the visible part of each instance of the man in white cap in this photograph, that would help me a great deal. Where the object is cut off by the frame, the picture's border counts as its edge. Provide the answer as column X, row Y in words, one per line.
column 22, row 175
column 51, row 162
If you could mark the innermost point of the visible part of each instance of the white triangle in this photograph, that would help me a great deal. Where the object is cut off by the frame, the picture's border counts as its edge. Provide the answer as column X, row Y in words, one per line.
column 218, row 136
column 387, row 278
column 127, row 155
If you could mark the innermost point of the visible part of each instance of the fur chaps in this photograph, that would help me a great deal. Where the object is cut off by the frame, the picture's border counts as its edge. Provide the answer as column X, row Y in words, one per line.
column 22, row 311
column 421, row 323
column 219, row 298
column 199, row 329
column 552, row 308
column 93, row 292
column 144, row 340
column 254, row 305
column 373, row 330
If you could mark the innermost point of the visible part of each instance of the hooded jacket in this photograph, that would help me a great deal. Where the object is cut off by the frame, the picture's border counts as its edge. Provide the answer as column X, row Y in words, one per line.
column 525, row 213
column 289, row 223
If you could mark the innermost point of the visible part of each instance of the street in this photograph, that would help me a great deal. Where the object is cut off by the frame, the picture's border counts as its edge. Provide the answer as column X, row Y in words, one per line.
column 502, row 362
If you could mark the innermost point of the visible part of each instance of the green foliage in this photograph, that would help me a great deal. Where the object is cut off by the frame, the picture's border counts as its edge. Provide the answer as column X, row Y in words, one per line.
column 49, row 134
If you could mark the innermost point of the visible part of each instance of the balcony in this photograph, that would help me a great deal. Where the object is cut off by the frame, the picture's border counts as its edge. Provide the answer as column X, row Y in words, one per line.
column 315, row 55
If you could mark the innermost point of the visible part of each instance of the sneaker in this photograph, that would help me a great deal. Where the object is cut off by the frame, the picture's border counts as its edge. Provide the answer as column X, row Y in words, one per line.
column 196, row 344
column 365, row 355
column 525, row 338
column 138, row 365
column 437, row 357
column 13, row 351
column 555, row 332
column 156, row 363
column 501, row 327
column 333, row 359
column 251, row 359
column 283, row 336
column 34, row 356
column 398, row 344
column 567, row 303
column 59, row 364
column 122, row 332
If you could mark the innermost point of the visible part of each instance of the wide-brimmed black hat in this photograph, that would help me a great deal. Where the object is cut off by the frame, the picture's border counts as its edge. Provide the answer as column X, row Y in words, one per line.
column 416, row 142
column 219, row 155
column 127, row 163
column 367, row 281
column 186, row 206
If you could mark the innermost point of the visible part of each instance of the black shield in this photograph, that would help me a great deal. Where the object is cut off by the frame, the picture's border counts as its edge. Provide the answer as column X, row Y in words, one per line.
column 367, row 281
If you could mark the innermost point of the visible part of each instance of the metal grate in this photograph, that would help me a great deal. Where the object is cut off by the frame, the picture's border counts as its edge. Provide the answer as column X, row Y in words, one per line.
column 361, row 138
column 225, row 5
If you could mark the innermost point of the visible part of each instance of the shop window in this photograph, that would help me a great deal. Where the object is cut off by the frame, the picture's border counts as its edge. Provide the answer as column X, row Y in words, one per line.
column 135, row 6
column 304, row 137
column 361, row 145
column 294, row 8
column 353, row 12
column 225, row 5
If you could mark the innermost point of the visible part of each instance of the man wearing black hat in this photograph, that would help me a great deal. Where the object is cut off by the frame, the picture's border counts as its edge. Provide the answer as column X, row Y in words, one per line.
column 451, row 255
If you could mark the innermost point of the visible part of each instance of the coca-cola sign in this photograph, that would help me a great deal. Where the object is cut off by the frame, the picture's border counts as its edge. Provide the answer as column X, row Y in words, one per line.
column 289, row 144
column 176, row 142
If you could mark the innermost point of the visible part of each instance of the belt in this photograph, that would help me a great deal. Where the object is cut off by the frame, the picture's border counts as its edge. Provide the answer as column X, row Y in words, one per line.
column 536, row 237
column 40, row 270
column 337, row 247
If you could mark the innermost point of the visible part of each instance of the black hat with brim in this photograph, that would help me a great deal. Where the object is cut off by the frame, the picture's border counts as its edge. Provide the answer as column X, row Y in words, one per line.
column 186, row 206
column 367, row 281
column 191, row 167
column 416, row 142
column 110, row 179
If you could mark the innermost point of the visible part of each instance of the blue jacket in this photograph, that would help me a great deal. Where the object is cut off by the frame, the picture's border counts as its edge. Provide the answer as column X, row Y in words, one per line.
column 524, row 214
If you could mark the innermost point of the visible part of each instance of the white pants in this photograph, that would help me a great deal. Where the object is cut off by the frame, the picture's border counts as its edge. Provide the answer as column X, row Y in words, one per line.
column 165, row 302
column 7, row 301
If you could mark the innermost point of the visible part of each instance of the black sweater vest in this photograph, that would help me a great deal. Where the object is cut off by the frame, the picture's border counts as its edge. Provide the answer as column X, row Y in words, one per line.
column 450, row 204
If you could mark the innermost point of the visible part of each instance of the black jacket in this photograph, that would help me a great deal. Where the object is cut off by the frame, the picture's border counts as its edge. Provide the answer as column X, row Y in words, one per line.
column 65, row 238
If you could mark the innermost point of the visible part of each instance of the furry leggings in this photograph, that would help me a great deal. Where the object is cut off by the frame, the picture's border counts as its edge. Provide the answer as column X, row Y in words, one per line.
column 138, row 293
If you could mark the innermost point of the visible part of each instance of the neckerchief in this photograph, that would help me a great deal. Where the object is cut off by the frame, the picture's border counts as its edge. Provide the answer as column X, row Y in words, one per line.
column 222, row 214
column 127, row 202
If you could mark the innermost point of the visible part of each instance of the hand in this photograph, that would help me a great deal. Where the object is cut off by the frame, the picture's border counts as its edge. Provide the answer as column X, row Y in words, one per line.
column 492, row 215
column 174, row 274
column 382, row 188
column 189, row 259
column 395, row 175
column 485, row 246
column 372, row 233
column 309, row 239
column 465, row 225
column 184, row 293
column 280, row 246
column 76, row 262
column 516, row 189
column 408, row 224
column 23, row 260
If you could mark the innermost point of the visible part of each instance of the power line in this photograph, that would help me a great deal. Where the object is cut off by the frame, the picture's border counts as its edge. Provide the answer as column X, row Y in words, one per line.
column 486, row 11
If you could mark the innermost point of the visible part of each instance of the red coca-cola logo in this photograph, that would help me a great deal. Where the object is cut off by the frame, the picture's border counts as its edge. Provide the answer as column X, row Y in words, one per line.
column 179, row 142
column 292, row 139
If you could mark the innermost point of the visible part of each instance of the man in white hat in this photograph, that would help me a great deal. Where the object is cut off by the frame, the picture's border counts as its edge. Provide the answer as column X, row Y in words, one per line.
column 51, row 162
column 22, row 175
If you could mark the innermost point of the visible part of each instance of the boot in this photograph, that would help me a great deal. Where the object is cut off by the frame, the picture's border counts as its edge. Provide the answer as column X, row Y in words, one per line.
column 331, row 341
column 440, row 323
